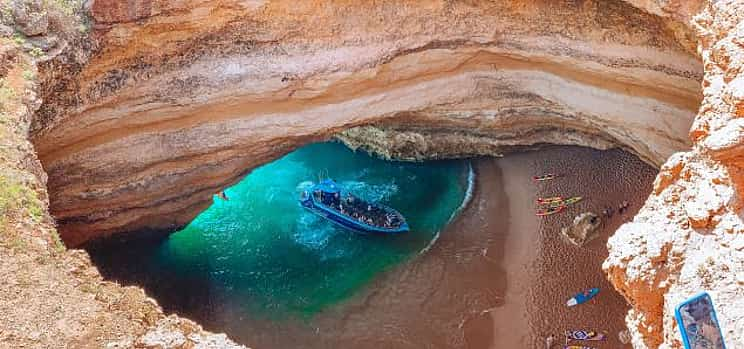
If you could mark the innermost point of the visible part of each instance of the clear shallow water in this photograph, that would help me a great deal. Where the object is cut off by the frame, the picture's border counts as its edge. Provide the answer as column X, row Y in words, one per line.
column 262, row 254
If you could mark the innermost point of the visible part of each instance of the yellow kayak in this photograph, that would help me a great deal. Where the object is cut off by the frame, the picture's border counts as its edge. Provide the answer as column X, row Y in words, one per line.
column 562, row 202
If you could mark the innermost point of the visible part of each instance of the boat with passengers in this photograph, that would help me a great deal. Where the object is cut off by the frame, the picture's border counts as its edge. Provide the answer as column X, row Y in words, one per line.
column 328, row 200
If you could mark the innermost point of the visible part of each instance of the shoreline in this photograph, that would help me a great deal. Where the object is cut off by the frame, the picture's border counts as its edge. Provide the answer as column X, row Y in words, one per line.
column 495, row 277
column 472, row 179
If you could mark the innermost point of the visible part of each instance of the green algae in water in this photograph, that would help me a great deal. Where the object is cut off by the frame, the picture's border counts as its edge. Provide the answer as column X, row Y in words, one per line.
column 263, row 251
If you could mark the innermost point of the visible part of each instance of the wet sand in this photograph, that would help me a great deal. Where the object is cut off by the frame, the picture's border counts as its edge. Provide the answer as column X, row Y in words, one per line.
column 498, row 277
column 542, row 269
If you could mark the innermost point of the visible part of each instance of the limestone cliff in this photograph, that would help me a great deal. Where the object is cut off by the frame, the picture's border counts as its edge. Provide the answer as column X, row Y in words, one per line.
column 689, row 236
column 166, row 102
column 51, row 297
column 180, row 99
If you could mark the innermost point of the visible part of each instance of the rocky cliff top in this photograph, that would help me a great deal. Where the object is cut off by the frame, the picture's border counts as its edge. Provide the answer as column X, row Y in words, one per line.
column 689, row 236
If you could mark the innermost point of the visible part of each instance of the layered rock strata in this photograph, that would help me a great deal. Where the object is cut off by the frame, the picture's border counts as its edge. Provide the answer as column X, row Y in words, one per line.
column 181, row 99
column 51, row 297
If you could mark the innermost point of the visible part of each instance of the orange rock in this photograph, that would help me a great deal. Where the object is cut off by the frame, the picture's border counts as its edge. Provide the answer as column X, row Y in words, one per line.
column 669, row 172
column 121, row 11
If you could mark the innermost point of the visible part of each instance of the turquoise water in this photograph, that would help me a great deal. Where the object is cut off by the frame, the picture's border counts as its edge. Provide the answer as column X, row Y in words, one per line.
column 264, row 253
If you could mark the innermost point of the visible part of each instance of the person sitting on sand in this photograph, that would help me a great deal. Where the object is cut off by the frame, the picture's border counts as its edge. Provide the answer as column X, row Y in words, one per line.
column 549, row 341
column 623, row 206
column 608, row 211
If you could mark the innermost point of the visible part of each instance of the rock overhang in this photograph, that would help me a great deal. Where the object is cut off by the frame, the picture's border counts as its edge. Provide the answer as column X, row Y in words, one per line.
column 181, row 100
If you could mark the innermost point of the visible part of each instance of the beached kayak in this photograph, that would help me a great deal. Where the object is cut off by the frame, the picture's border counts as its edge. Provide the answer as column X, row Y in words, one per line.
column 549, row 210
column 582, row 297
column 581, row 335
column 545, row 177
column 572, row 200
column 562, row 202
column 552, row 199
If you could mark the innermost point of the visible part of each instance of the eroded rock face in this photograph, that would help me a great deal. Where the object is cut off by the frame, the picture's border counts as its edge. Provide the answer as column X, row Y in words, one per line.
column 183, row 98
column 52, row 297
column 689, row 236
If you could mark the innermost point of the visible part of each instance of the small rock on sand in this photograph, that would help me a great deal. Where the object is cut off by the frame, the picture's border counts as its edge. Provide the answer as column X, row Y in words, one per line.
column 583, row 228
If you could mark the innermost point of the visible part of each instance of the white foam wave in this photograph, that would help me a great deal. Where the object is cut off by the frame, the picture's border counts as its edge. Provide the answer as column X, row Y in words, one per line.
column 302, row 186
column 430, row 244
column 378, row 192
column 468, row 193
column 465, row 201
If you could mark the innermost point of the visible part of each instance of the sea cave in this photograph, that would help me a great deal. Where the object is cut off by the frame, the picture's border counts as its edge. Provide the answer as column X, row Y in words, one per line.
column 123, row 122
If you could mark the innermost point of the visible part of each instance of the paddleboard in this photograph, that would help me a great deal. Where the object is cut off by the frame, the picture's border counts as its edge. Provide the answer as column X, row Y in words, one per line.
column 582, row 297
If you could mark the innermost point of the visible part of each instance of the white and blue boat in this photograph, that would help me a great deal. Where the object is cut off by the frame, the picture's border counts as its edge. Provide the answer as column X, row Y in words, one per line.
column 328, row 200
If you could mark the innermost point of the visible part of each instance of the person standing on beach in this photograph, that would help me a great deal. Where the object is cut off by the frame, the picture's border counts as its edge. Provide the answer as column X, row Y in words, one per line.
column 549, row 341
column 607, row 212
column 623, row 207
column 222, row 195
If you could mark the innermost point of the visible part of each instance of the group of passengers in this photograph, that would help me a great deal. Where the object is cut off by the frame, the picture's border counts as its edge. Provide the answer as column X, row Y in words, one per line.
column 358, row 209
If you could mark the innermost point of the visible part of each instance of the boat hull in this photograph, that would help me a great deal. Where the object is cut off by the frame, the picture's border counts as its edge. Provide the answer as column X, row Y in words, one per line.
column 347, row 222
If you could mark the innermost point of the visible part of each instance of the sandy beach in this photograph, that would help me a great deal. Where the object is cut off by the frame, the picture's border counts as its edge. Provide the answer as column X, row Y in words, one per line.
column 542, row 269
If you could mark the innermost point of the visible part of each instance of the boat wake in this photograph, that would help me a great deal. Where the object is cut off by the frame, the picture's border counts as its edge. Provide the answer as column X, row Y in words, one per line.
column 302, row 186
column 371, row 192
column 312, row 233
column 465, row 202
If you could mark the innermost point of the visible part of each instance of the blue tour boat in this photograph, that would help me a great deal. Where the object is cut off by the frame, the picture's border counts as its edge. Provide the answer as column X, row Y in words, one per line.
column 327, row 199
